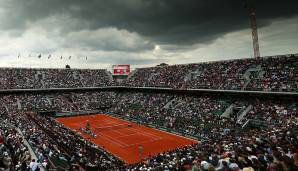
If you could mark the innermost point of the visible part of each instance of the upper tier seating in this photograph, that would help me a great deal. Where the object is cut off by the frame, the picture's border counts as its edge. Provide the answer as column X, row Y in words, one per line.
column 20, row 78
column 276, row 73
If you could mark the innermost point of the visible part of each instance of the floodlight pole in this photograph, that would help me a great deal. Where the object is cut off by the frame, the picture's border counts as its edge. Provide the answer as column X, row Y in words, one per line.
column 250, row 5
column 254, row 31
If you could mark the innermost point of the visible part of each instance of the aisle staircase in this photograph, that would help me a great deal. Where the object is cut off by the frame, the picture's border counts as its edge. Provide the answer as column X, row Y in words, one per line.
column 228, row 111
column 192, row 75
column 252, row 70
column 243, row 113
column 81, row 80
column 169, row 104
column 19, row 104
column 132, row 74
column 109, row 74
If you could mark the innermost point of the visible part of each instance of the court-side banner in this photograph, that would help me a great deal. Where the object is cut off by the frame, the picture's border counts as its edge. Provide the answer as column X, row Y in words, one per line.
column 121, row 69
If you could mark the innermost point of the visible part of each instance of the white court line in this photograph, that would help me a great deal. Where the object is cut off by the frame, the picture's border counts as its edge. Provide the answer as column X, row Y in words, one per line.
column 113, row 140
column 120, row 143
column 152, row 138
column 143, row 133
column 159, row 130
column 130, row 145
column 138, row 131
column 146, row 133
column 127, row 135
column 109, row 137
column 142, row 142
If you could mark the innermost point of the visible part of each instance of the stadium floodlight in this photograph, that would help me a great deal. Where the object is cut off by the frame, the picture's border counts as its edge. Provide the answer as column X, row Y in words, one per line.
column 250, row 6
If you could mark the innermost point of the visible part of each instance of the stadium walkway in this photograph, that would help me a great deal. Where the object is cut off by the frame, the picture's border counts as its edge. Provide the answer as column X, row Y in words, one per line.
column 33, row 156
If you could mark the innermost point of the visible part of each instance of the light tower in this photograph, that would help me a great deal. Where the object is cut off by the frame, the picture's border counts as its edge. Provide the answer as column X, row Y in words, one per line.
column 250, row 6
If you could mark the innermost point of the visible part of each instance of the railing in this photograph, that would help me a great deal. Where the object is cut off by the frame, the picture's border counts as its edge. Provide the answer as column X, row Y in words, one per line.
column 65, row 114
column 245, row 124
column 159, row 89
column 243, row 113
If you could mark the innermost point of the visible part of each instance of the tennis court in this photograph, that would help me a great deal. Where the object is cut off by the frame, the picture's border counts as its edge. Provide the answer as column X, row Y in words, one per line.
column 123, row 138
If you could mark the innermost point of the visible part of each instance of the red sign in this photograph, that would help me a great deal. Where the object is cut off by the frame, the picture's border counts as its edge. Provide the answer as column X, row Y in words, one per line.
column 122, row 69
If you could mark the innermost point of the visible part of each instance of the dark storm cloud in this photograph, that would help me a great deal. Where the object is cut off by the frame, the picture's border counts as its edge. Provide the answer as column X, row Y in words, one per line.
column 177, row 22
column 108, row 39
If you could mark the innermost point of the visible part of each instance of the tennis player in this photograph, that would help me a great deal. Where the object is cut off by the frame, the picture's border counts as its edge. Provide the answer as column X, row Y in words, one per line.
column 87, row 125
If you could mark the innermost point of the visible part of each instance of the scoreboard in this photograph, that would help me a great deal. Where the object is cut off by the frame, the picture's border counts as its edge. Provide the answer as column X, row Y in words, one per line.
column 121, row 69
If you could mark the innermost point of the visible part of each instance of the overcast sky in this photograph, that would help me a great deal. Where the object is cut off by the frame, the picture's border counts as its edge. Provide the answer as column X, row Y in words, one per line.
column 140, row 32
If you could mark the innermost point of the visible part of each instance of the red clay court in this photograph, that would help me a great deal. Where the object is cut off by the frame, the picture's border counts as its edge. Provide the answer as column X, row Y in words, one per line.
column 123, row 141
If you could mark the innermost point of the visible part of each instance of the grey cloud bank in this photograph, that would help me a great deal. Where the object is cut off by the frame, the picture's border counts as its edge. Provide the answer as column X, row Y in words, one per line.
column 100, row 29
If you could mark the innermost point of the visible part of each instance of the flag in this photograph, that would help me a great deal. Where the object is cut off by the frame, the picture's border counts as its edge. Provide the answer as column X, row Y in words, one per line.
column 39, row 56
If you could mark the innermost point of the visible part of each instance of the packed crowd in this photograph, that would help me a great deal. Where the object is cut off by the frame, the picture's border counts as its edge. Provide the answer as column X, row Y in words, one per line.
column 14, row 154
column 59, row 102
column 276, row 73
column 280, row 74
column 224, row 146
column 165, row 76
column 22, row 78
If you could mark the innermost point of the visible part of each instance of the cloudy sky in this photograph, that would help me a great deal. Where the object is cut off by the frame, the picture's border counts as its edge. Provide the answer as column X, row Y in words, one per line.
column 140, row 32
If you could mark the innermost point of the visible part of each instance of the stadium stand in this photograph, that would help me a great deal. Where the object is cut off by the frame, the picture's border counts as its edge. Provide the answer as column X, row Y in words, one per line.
column 22, row 78
column 237, row 132
column 223, row 145
column 274, row 73
column 14, row 153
